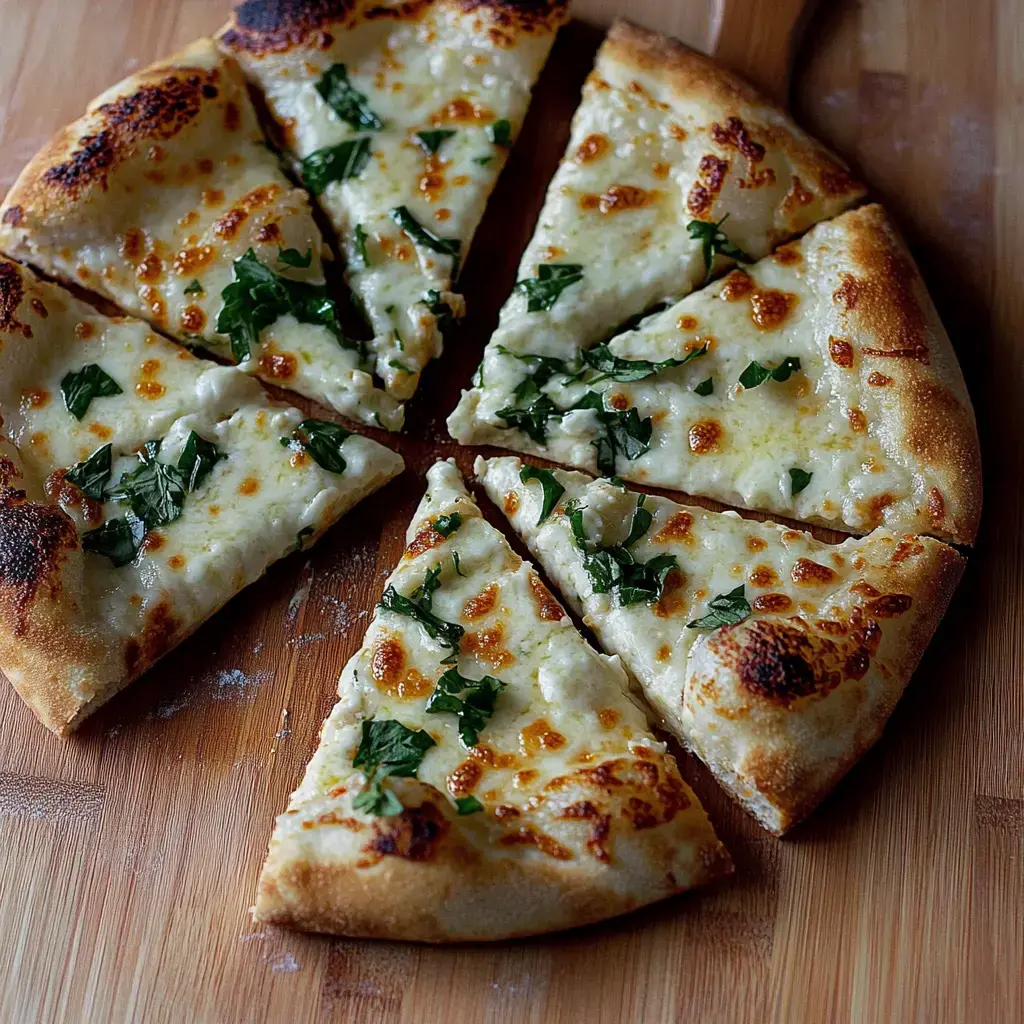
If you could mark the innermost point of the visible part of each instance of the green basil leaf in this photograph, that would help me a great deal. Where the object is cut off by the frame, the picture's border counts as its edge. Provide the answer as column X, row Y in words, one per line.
column 705, row 387
column 323, row 440
column 195, row 288
column 799, row 479
column 294, row 258
column 472, row 701
column 714, row 242
column 755, row 374
column 92, row 476
column 424, row 593
column 79, row 387
column 531, row 420
column 397, row 364
column 335, row 163
column 724, row 610
column 346, row 101
column 456, row 561
column 483, row 161
column 639, row 524
column 386, row 748
column 467, row 805
column 197, row 458
column 421, row 236
column 447, row 524
column 431, row 141
column 553, row 490
column 362, row 258
column 544, row 367
column 552, row 279
column 444, row 317
column 155, row 491
column 448, row 634
column 624, row 371
column 117, row 539
column 500, row 132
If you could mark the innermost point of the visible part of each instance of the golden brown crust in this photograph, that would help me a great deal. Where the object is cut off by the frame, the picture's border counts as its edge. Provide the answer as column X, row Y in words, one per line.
column 262, row 27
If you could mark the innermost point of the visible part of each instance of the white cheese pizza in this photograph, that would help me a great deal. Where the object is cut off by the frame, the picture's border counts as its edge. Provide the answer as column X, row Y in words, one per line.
column 165, row 199
column 776, row 658
column 400, row 117
column 484, row 773
column 674, row 169
column 817, row 383
column 140, row 489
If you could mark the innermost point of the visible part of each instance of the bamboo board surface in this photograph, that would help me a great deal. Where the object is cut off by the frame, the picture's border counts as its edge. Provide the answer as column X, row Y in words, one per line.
column 129, row 854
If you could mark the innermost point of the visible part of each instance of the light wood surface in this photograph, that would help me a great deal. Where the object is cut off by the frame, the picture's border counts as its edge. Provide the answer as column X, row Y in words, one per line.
column 129, row 855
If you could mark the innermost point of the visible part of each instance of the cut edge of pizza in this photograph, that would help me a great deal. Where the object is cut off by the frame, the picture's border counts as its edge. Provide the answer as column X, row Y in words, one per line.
column 165, row 198
column 774, row 657
column 141, row 488
column 817, row 383
column 399, row 120
column 675, row 168
column 484, row 774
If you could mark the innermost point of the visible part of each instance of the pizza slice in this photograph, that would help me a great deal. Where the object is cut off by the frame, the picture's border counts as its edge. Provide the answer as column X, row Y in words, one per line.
column 140, row 489
column 817, row 383
column 400, row 117
column 675, row 169
column 775, row 658
column 166, row 199
column 484, row 774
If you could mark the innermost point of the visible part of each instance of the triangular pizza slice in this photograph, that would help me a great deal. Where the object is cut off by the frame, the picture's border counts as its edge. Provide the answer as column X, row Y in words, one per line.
column 400, row 117
column 776, row 658
column 817, row 383
column 140, row 489
column 484, row 773
column 165, row 199
column 674, row 169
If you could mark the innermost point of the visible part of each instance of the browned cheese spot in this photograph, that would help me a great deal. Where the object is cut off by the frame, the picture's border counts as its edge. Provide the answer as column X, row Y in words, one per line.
column 770, row 308
column 705, row 436
column 481, row 604
column 737, row 284
column 813, row 574
column 548, row 609
column 841, row 352
column 592, row 148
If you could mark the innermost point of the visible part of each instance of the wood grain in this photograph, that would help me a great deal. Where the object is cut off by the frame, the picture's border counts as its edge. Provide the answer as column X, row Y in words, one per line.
column 128, row 856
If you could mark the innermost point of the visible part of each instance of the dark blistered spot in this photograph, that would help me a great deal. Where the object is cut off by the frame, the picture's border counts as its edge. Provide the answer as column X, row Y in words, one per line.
column 13, row 215
column 841, row 352
column 857, row 664
column 869, row 635
column 711, row 172
column 889, row 606
column 734, row 135
column 12, row 291
column 772, row 603
column 152, row 112
column 782, row 664
column 584, row 810
column 530, row 835
column 232, row 116
column 413, row 835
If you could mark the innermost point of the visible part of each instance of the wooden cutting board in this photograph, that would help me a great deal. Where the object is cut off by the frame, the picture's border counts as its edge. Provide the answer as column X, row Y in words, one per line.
column 129, row 854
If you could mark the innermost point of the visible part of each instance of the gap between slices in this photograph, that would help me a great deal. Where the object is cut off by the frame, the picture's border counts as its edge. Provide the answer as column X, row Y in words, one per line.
column 777, row 659
column 484, row 774
column 399, row 120
column 140, row 489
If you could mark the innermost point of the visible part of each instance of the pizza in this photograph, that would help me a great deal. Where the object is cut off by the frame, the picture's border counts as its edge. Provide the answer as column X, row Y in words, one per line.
column 817, row 383
column 777, row 659
column 674, row 170
column 166, row 199
column 485, row 773
column 400, row 117
column 140, row 489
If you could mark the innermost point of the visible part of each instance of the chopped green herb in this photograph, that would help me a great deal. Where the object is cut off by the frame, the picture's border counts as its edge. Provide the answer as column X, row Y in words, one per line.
column 552, row 279
column 431, row 141
column 639, row 524
column 478, row 376
column 724, row 610
column 387, row 748
column 421, row 236
column 92, row 476
column 335, row 163
column 258, row 296
column 705, row 387
column 500, row 132
column 714, row 242
column 544, row 367
column 553, row 490
column 294, row 258
column 467, row 805
column 323, row 440
column 483, row 161
column 447, row 524
column 624, row 371
column 471, row 700
column 197, row 458
column 424, row 593
column 755, row 374
column 799, row 479
column 117, row 539
column 448, row 634
column 444, row 318
column 397, row 364
column 155, row 491
column 195, row 288
column 531, row 420
column 456, row 561
column 362, row 258
column 79, row 387
column 346, row 101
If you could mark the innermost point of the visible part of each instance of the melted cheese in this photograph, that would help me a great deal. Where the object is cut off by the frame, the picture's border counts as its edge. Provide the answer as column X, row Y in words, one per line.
column 434, row 67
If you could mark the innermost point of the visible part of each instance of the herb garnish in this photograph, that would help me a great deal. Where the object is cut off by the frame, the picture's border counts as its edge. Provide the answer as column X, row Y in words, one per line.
column 79, row 387
column 456, row 561
column 705, row 387
column 294, row 258
column 431, row 141
column 552, row 279
column 323, row 440
column 117, row 539
column 483, row 161
column 447, row 524
column 448, row 634
column 421, row 236
column 755, row 374
column 346, row 101
column 625, row 371
column 444, row 317
column 500, row 132
column 360, row 236
column 335, row 163
column 387, row 748
column 467, row 805
column 197, row 458
column 155, row 491
column 471, row 700
column 92, row 475
column 714, row 242
column 553, row 490
column 799, row 479
column 724, row 610
column 194, row 288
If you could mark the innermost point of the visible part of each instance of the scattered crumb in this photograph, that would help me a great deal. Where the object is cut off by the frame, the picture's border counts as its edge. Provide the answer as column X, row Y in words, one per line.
column 283, row 962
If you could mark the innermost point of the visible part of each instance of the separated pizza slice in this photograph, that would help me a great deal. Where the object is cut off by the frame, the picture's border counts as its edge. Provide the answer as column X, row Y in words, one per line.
column 165, row 199
column 817, row 383
column 400, row 117
column 777, row 659
column 484, row 773
column 140, row 489
column 674, row 170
